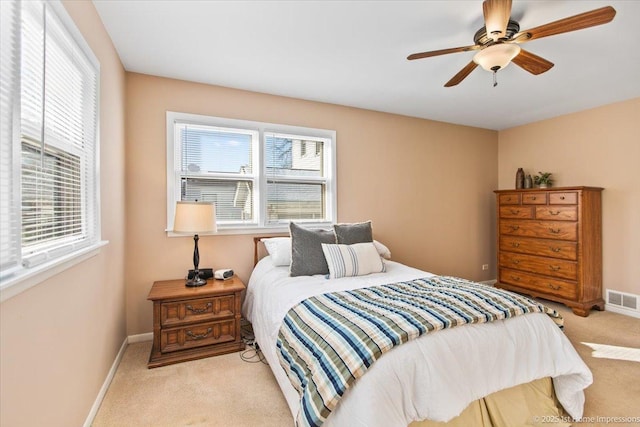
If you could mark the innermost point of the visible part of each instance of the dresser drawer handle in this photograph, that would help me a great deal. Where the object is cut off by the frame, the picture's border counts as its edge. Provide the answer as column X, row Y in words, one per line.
column 554, row 268
column 199, row 310
column 556, row 250
column 554, row 230
column 516, row 261
column 514, row 227
column 199, row 336
column 561, row 197
column 515, row 211
column 554, row 287
column 516, row 278
column 554, row 212
column 515, row 244
column 533, row 198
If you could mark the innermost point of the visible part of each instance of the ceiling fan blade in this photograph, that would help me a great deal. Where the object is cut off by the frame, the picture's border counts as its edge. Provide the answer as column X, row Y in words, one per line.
column 572, row 23
column 442, row 52
column 496, row 17
column 462, row 74
column 532, row 63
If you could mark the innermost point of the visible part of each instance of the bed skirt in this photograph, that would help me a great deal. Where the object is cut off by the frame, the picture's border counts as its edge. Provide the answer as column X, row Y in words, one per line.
column 530, row 404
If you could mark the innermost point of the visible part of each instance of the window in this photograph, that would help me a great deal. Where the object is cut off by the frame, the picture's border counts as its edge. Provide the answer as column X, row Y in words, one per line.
column 259, row 175
column 49, row 95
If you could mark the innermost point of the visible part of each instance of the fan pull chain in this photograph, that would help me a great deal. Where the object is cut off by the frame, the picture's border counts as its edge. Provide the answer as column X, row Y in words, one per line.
column 495, row 78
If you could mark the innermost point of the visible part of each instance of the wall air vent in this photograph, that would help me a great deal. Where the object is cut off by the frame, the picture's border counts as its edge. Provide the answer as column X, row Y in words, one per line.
column 623, row 303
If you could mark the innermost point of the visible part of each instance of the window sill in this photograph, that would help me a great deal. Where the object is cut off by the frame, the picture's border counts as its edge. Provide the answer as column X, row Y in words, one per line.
column 274, row 229
column 28, row 278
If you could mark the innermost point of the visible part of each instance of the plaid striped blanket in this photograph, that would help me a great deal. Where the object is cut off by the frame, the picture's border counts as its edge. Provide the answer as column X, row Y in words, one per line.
column 328, row 341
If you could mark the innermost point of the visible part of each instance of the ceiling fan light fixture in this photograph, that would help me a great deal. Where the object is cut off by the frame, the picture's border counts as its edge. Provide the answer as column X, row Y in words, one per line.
column 497, row 56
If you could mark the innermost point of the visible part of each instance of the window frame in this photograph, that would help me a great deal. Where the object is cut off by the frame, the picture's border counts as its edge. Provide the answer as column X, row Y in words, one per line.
column 33, row 269
column 260, row 178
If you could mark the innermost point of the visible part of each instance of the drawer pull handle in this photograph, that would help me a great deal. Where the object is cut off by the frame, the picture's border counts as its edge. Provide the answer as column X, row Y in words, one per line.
column 199, row 310
column 515, row 244
column 554, row 212
column 554, row 230
column 554, row 287
column 515, row 211
column 554, row 268
column 516, row 278
column 561, row 197
column 514, row 227
column 556, row 250
column 199, row 336
column 516, row 261
column 533, row 198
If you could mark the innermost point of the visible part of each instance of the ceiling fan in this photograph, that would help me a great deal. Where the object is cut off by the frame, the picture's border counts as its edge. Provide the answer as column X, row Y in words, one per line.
column 498, row 41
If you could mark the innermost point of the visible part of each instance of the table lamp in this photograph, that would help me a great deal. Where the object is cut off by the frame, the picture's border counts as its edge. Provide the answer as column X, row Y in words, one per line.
column 195, row 217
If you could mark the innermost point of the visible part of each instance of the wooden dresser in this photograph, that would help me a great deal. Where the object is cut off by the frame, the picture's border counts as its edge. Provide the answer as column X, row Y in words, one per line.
column 195, row 322
column 550, row 245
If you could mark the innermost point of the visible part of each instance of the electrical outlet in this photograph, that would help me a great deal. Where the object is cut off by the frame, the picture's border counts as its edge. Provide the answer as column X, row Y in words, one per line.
column 485, row 267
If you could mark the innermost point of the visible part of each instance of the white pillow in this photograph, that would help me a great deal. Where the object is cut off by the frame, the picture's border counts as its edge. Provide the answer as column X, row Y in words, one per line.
column 279, row 248
column 352, row 260
column 382, row 250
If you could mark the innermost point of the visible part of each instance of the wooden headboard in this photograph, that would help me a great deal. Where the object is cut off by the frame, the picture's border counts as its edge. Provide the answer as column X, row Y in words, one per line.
column 259, row 250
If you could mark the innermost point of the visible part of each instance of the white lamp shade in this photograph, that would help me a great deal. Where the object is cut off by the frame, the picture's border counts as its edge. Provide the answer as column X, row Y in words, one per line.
column 497, row 55
column 195, row 217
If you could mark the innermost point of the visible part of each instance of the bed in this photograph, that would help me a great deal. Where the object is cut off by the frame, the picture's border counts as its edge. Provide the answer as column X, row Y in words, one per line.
column 516, row 371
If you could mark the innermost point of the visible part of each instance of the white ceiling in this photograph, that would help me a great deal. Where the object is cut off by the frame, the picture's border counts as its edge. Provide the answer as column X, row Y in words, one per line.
column 354, row 53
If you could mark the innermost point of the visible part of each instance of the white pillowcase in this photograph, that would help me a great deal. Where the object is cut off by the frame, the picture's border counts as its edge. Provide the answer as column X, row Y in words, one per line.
column 358, row 259
column 382, row 250
column 279, row 248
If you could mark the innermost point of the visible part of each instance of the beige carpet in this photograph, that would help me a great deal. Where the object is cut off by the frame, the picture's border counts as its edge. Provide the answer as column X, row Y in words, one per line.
column 226, row 391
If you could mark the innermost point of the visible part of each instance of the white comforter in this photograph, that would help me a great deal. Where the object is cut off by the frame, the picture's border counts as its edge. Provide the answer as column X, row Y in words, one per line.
column 434, row 377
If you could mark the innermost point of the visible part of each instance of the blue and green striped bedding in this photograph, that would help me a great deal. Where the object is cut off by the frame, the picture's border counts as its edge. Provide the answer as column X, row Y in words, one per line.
column 328, row 341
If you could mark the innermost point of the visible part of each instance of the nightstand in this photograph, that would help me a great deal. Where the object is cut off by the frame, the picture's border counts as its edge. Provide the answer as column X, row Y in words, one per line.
column 192, row 323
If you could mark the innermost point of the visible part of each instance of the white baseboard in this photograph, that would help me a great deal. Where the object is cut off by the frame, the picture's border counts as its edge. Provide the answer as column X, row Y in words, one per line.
column 140, row 338
column 105, row 386
column 131, row 339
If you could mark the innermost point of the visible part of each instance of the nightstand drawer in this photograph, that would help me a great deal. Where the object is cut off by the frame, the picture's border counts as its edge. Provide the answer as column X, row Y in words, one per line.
column 197, row 335
column 197, row 310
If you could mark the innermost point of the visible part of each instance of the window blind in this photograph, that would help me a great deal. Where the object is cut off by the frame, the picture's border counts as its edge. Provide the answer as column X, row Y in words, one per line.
column 9, row 135
column 51, row 206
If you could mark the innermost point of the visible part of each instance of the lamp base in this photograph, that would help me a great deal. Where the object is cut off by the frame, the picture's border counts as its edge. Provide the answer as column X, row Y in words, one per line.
column 195, row 282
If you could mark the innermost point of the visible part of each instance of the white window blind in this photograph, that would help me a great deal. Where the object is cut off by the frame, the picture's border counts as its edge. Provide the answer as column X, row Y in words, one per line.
column 257, row 177
column 217, row 165
column 9, row 135
column 52, row 202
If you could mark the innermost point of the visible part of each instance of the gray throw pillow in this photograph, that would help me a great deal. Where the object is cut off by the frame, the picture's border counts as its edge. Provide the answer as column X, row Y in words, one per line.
column 349, row 234
column 307, row 257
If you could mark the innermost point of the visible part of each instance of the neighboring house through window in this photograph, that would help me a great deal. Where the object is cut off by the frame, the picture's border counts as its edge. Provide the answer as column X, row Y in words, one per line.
column 259, row 175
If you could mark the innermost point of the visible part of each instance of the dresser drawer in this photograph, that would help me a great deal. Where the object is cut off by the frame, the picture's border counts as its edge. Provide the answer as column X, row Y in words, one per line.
column 534, row 199
column 197, row 310
column 566, row 198
column 541, row 229
column 197, row 335
column 522, row 212
column 557, row 213
column 559, row 268
column 543, row 285
column 509, row 199
column 550, row 248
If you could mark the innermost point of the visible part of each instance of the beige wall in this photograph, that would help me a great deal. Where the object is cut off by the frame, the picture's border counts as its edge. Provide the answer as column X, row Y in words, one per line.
column 427, row 186
column 598, row 147
column 60, row 338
